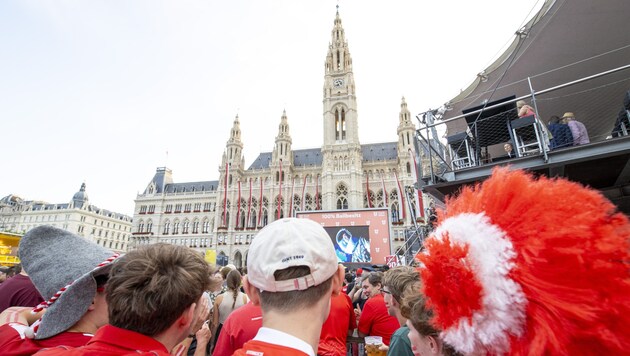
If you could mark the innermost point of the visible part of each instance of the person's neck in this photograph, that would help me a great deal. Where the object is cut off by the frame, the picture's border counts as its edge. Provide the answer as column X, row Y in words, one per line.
column 85, row 326
column 401, row 319
column 293, row 323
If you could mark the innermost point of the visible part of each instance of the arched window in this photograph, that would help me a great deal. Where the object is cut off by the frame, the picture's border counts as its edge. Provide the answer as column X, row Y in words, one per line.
column 176, row 228
column 185, row 227
column 167, row 228
column 342, row 197
column 206, row 226
column 149, row 226
column 408, row 168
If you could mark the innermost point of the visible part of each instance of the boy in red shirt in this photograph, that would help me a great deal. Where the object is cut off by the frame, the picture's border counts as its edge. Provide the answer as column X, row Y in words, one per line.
column 292, row 273
column 374, row 319
column 339, row 325
column 155, row 299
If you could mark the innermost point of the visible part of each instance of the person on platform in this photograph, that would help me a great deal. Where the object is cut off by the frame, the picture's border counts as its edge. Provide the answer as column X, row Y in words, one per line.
column 71, row 272
column 578, row 130
column 374, row 319
column 562, row 136
column 396, row 283
column 19, row 291
column 240, row 327
column 292, row 273
column 156, row 301
column 524, row 109
column 339, row 325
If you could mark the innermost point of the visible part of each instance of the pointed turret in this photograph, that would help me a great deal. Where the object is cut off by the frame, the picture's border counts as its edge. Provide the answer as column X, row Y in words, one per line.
column 338, row 59
column 406, row 129
column 234, row 146
column 282, row 149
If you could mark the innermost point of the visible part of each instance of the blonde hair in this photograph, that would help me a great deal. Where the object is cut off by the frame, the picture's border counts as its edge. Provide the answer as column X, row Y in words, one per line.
column 520, row 103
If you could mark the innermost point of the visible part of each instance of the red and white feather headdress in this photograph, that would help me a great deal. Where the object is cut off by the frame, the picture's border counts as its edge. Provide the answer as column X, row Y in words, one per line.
column 519, row 265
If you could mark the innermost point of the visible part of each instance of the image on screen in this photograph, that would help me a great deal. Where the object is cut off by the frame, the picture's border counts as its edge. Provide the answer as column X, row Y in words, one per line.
column 352, row 243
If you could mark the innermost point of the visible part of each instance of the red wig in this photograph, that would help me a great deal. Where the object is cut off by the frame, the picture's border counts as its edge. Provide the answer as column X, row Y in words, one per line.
column 530, row 266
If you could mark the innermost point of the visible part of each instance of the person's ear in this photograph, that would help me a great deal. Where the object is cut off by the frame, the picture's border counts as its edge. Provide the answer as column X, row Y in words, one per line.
column 337, row 280
column 188, row 316
column 433, row 345
column 251, row 291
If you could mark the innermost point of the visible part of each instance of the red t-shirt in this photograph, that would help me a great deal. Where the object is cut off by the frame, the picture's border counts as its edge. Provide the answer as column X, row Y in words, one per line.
column 332, row 340
column 14, row 343
column 375, row 321
column 260, row 348
column 110, row 340
column 240, row 327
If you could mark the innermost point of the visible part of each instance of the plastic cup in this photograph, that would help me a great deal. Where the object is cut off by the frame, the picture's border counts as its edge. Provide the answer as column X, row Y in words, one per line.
column 372, row 345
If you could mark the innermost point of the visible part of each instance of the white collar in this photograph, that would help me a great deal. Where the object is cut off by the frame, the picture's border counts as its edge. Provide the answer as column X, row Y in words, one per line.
column 278, row 337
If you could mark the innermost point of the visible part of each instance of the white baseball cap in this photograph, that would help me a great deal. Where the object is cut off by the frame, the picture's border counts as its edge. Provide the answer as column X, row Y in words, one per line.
column 288, row 243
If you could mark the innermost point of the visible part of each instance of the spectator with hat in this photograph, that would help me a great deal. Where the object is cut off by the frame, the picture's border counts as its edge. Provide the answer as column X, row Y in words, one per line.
column 292, row 273
column 578, row 130
column 155, row 298
column 70, row 272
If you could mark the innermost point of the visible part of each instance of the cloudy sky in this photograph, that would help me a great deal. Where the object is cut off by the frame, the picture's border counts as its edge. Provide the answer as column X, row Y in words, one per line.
column 99, row 91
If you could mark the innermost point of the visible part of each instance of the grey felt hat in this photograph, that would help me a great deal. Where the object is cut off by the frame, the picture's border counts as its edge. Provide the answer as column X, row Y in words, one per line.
column 55, row 258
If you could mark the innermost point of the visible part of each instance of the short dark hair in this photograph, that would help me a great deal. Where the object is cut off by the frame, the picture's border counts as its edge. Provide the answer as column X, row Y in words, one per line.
column 149, row 288
column 554, row 120
column 374, row 278
column 297, row 299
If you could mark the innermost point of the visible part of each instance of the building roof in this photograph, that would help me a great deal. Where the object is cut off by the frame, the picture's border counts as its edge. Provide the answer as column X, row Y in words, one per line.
column 379, row 151
column 189, row 187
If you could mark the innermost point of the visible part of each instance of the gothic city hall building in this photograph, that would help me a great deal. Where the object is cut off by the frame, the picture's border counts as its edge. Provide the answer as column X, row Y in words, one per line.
column 224, row 215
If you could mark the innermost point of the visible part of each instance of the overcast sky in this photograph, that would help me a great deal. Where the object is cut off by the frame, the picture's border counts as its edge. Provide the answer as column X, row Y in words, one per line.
column 99, row 91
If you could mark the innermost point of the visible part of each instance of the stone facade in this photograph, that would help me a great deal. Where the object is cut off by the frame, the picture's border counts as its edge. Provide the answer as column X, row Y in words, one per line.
column 224, row 215
column 106, row 228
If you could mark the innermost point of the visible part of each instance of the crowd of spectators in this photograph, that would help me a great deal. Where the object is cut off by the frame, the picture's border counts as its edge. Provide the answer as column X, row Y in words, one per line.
column 294, row 297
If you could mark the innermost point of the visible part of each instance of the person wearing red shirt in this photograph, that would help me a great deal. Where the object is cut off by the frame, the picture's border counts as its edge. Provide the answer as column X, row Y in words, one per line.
column 374, row 319
column 292, row 273
column 155, row 298
column 340, row 323
column 69, row 270
column 240, row 327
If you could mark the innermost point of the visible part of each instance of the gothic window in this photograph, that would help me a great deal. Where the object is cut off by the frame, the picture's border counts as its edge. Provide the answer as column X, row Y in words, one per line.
column 230, row 180
column 343, row 124
column 379, row 199
column 185, row 227
column 408, row 168
column 337, row 125
column 265, row 217
column 277, row 177
column 242, row 218
column 308, row 203
column 141, row 226
column 206, row 225
column 195, row 227
column 394, row 211
column 253, row 220
column 149, row 226
column 318, row 201
column 342, row 197
column 297, row 203
column 176, row 228
column 167, row 228
column 369, row 194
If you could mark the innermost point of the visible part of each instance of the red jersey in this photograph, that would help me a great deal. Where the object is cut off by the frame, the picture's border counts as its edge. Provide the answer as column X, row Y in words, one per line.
column 260, row 348
column 332, row 340
column 110, row 340
column 13, row 342
column 375, row 321
column 240, row 327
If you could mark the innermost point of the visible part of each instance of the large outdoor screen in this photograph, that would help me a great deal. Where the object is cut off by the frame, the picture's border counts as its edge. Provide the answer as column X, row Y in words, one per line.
column 359, row 236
